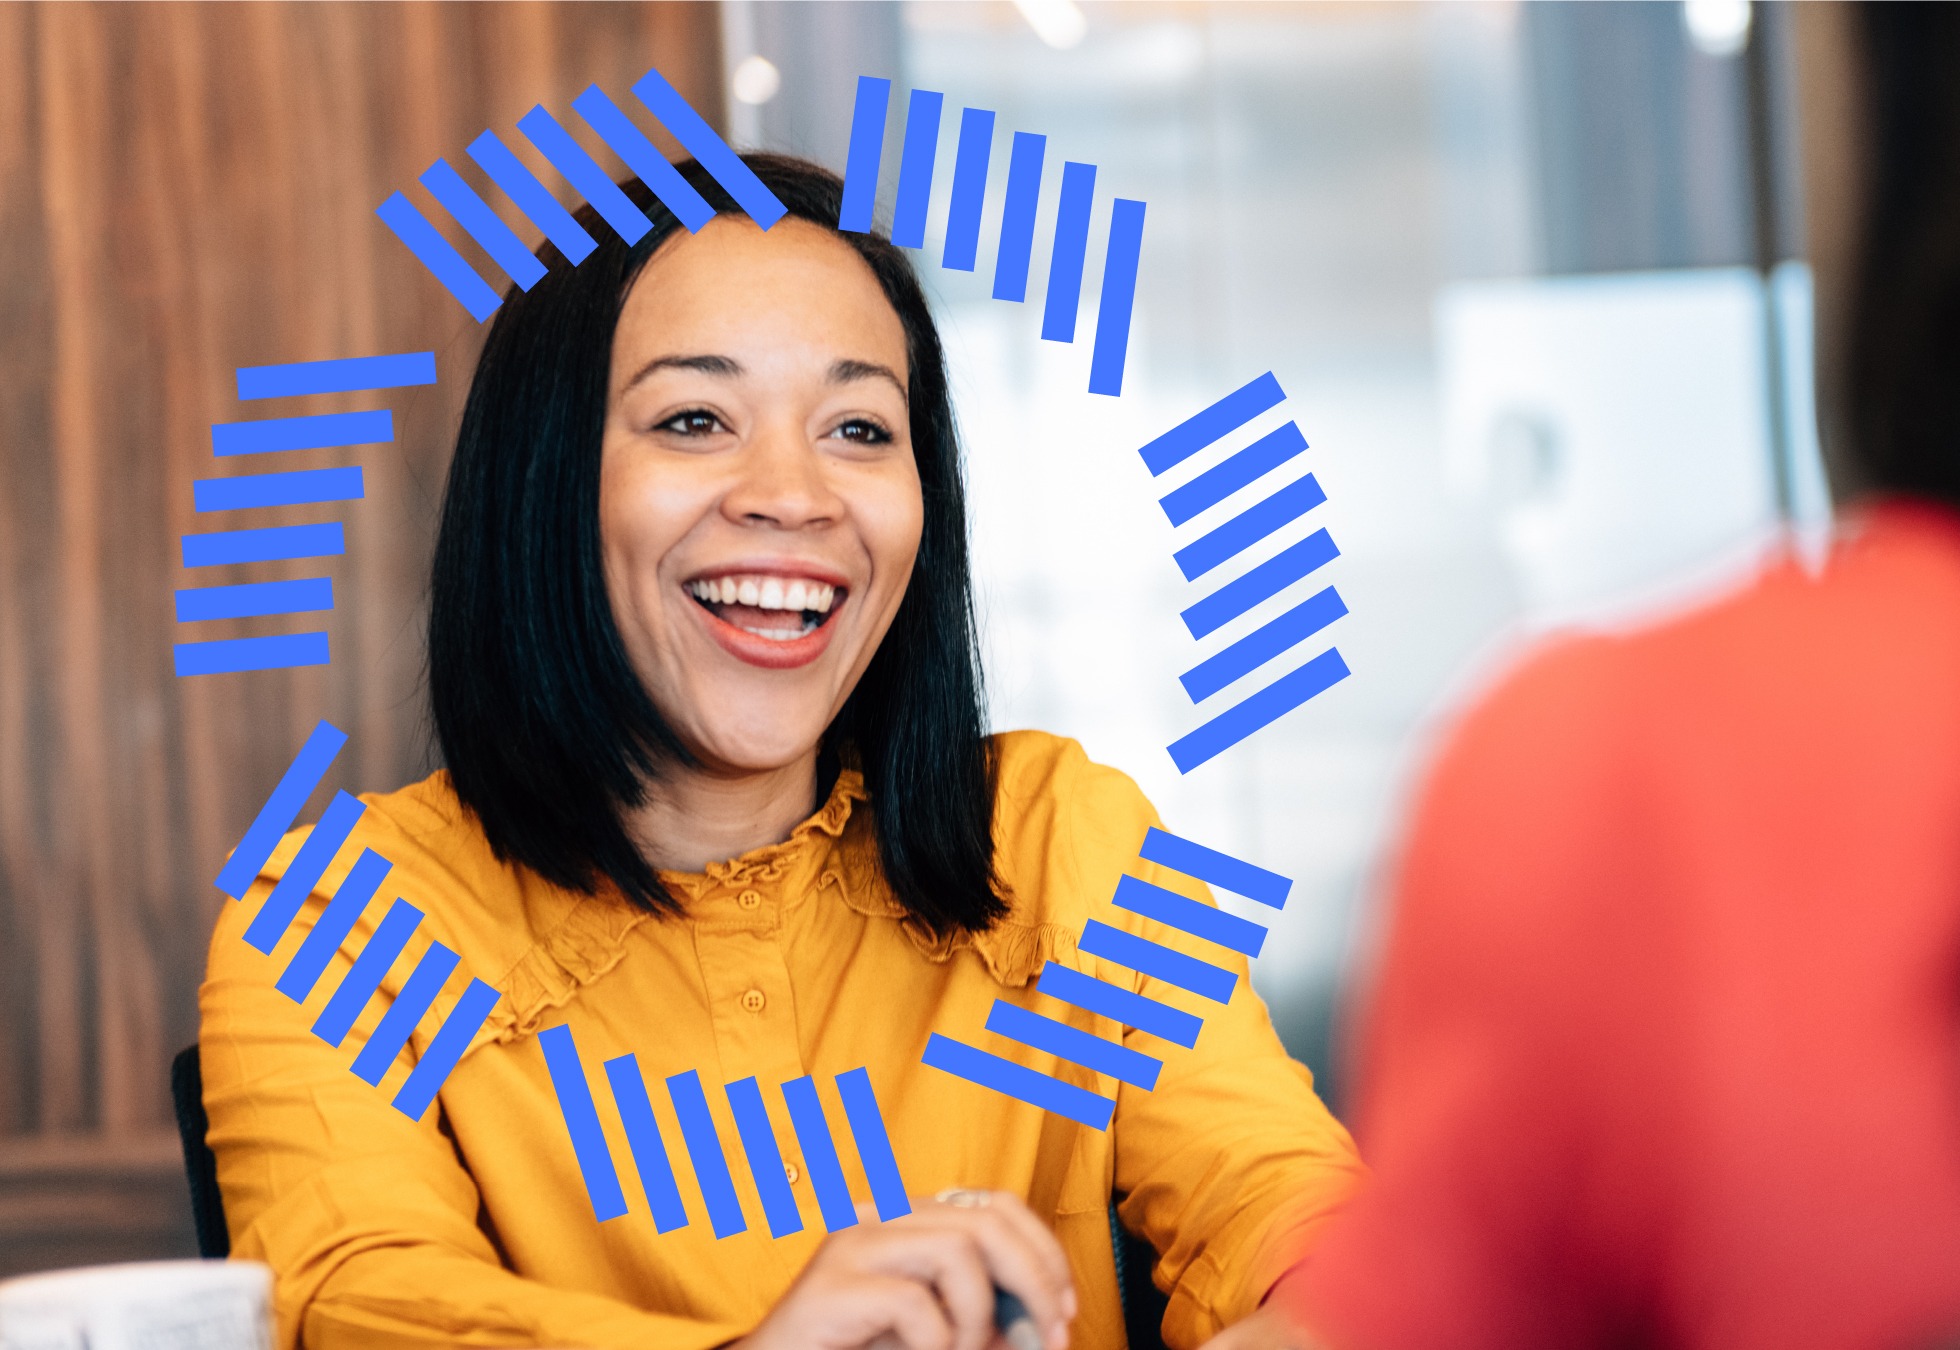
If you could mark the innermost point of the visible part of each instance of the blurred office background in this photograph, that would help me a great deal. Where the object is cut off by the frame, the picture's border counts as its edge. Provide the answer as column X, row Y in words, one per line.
column 1530, row 274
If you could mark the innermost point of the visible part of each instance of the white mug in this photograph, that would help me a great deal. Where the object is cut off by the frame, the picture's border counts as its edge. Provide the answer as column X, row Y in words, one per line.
column 182, row 1305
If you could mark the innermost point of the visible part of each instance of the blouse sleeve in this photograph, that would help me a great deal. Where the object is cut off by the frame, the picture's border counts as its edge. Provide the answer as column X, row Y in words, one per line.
column 368, row 1218
column 1231, row 1163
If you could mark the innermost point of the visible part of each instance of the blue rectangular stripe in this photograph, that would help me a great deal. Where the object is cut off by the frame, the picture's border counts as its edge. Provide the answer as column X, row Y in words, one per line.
column 1248, row 527
column 370, row 426
column 1119, row 1005
column 1263, row 582
column 330, row 930
column 418, row 995
column 1220, row 481
column 1214, row 868
column 434, row 252
column 922, row 112
column 226, row 656
column 704, row 1151
column 584, row 174
column 1071, row 243
column 867, row 148
column 969, row 189
column 1227, row 415
column 1261, row 709
column 765, row 1159
column 640, row 155
column 254, row 599
column 378, row 956
column 294, row 487
column 1158, row 961
column 445, row 1049
column 302, row 875
column 483, row 225
column 595, row 1164
column 281, row 809
column 1119, row 296
column 1023, row 1084
column 1074, row 1045
column 656, row 1169
column 1017, row 219
column 820, row 1158
column 272, row 544
column 1263, row 644
column 342, row 375
column 874, row 1146
column 533, row 198
column 1189, row 916
column 699, row 139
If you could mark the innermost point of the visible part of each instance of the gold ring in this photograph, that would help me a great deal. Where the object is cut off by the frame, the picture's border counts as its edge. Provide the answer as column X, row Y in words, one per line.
column 961, row 1197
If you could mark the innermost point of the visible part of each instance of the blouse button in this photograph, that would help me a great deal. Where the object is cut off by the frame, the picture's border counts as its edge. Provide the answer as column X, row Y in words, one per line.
column 789, row 1170
column 753, row 1000
column 749, row 899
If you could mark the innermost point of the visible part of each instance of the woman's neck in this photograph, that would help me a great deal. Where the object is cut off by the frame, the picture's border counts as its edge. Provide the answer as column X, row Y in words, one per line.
column 693, row 817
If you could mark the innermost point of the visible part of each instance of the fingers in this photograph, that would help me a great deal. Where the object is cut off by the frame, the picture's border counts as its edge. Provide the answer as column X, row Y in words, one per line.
column 908, row 1312
column 1018, row 1253
column 949, row 1260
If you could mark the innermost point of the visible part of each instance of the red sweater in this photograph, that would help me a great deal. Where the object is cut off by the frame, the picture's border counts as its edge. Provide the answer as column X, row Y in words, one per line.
column 1666, row 1044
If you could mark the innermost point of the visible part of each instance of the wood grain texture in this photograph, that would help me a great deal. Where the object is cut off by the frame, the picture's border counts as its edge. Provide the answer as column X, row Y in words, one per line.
column 190, row 188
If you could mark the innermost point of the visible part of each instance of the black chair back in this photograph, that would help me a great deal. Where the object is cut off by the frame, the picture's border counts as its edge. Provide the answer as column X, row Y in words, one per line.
column 1143, row 1303
column 200, row 1164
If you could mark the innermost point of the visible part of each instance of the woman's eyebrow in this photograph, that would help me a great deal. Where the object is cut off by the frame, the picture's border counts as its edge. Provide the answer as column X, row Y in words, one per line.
column 847, row 370
column 707, row 364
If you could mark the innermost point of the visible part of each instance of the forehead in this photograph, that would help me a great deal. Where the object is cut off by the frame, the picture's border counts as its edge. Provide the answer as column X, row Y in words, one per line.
column 736, row 290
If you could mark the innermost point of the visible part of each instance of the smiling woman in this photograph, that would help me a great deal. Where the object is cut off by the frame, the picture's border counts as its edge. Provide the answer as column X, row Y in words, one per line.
column 718, row 797
column 740, row 406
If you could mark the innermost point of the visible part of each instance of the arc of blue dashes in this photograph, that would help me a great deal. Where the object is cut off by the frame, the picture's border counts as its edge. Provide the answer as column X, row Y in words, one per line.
column 1064, row 296
column 1220, row 545
column 289, row 487
column 1124, row 1006
column 536, row 203
column 705, row 1150
column 330, row 931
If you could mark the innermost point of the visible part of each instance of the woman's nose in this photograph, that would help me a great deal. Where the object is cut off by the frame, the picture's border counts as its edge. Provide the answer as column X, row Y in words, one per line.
column 781, row 482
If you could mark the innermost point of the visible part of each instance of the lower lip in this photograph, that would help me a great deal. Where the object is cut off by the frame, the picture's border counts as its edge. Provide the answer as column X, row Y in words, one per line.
column 767, row 653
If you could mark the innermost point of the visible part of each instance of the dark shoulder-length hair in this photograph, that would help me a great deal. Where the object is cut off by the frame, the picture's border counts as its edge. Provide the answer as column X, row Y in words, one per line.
column 1902, row 386
column 548, row 734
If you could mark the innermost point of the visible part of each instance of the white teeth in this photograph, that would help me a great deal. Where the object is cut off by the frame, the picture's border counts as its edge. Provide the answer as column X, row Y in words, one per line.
column 766, row 592
column 780, row 634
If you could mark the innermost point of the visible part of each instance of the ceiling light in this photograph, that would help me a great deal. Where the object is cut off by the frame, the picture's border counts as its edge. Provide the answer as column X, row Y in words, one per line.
column 755, row 81
column 1717, row 27
column 1059, row 23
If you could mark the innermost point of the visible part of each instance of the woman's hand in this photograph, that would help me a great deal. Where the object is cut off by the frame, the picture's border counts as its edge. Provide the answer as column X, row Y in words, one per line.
column 924, row 1282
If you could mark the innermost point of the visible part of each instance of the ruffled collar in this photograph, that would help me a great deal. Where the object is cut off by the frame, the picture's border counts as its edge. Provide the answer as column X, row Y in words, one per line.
column 837, row 842
column 771, row 861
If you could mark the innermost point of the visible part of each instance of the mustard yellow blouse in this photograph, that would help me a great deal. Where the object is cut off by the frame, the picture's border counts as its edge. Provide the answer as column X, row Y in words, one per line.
column 472, row 1227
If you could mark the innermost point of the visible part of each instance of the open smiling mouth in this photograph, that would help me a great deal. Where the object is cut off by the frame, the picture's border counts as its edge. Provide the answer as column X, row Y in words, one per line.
column 779, row 609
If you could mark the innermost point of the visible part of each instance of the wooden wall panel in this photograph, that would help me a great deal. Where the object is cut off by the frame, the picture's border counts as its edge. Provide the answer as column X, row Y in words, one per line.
column 185, row 189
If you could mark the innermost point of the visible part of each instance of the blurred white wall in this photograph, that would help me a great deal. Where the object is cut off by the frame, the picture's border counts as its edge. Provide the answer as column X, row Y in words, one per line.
column 1357, row 197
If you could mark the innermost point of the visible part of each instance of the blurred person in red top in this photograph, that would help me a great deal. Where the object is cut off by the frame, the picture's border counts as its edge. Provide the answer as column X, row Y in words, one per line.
column 1664, row 1049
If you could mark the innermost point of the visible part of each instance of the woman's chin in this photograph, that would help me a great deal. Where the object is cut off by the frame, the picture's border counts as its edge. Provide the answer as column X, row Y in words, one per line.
column 751, row 753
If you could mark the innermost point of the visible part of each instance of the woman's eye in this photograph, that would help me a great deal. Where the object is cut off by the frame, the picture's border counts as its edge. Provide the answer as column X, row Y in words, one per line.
column 694, row 422
column 863, row 431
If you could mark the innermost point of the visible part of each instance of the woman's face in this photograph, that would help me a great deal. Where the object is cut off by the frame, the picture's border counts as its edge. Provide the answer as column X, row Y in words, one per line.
column 759, row 505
